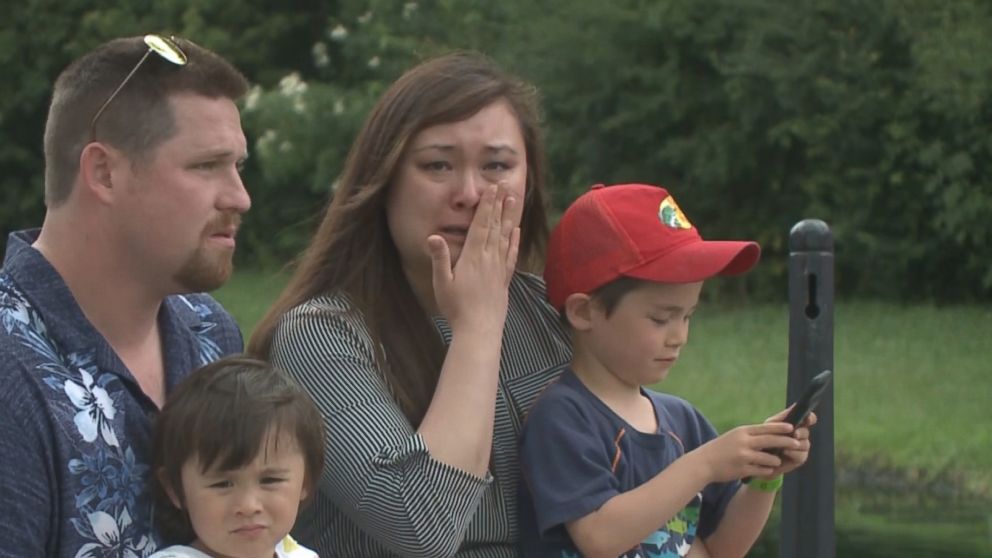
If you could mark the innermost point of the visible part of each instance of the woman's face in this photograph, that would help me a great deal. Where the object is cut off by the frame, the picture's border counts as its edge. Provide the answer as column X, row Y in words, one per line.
column 441, row 177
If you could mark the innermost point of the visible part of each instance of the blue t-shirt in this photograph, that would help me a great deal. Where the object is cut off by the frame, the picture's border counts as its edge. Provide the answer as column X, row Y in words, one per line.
column 576, row 454
column 75, row 426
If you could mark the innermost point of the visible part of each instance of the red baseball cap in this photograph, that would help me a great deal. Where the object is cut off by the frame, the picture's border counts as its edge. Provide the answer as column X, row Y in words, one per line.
column 634, row 230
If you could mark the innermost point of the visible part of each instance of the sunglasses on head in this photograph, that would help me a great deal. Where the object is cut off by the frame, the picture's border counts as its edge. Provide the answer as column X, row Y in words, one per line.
column 165, row 47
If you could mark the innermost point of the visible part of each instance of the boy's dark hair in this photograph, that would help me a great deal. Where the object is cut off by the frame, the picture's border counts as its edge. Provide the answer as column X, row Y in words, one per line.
column 220, row 414
column 609, row 295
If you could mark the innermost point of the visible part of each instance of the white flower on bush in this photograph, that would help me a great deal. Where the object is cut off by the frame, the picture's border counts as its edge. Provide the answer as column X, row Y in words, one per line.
column 338, row 106
column 286, row 146
column 264, row 141
column 365, row 18
column 374, row 62
column 291, row 85
column 96, row 409
column 408, row 9
column 339, row 33
column 319, row 52
column 299, row 105
column 251, row 99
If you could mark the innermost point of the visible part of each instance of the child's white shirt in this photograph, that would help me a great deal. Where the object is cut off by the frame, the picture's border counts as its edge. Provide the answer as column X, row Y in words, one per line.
column 287, row 548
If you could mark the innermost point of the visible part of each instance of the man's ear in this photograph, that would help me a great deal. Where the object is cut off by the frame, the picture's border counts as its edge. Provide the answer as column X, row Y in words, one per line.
column 169, row 489
column 578, row 310
column 97, row 162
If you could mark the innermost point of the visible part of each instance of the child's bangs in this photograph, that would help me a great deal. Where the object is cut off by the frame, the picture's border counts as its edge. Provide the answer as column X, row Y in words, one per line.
column 231, row 435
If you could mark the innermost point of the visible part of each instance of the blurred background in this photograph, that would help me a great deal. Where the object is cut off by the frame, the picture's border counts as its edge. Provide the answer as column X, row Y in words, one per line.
column 873, row 116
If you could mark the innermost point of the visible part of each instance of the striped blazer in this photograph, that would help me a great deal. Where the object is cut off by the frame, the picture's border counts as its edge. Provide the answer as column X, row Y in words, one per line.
column 381, row 493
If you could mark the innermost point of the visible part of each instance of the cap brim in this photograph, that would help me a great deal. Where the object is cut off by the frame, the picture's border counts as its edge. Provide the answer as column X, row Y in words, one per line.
column 698, row 261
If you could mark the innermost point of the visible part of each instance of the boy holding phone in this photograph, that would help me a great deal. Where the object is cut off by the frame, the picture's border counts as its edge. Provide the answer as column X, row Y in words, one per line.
column 612, row 468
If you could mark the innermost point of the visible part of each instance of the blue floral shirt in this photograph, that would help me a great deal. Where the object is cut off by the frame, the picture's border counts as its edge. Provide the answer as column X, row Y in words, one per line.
column 75, row 427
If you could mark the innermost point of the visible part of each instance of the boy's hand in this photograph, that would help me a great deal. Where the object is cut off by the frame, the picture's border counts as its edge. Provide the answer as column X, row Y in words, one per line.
column 739, row 452
column 794, row 458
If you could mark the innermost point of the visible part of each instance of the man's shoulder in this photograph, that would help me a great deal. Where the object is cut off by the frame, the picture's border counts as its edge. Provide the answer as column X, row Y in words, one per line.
column 24, row 341
column 214, row 328
column 203, row 304
column 200, row 310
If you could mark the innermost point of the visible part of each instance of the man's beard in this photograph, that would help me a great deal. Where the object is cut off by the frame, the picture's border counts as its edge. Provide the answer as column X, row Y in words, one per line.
column 207, row 269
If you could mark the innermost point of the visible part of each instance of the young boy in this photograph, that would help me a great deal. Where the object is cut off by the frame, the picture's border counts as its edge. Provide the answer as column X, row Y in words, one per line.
column 237, row 447
column 611, row 468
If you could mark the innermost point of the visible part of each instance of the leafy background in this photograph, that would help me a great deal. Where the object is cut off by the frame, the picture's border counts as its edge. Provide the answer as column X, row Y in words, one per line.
column 872, row 116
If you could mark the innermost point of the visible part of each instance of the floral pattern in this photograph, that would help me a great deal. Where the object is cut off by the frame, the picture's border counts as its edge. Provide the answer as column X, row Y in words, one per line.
column 97, row 417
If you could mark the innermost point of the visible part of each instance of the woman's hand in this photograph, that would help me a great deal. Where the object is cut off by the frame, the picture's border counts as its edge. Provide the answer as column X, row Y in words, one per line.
column 474, row 290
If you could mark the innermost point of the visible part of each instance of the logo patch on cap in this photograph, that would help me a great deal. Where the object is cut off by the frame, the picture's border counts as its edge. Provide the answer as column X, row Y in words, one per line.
column 670, row 214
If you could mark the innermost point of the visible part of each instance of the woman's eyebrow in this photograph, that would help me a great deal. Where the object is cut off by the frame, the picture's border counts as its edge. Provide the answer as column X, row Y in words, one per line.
column 497, row 147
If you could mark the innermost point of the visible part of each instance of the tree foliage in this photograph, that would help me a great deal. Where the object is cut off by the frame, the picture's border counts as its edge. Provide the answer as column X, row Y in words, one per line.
column 870, row 116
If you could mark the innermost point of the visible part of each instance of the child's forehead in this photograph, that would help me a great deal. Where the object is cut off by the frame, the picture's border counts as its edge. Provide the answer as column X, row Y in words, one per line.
column 277, row 446
column 676, row 296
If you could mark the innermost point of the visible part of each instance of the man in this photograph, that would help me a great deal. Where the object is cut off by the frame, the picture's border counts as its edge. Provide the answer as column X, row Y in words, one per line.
column 143, row 146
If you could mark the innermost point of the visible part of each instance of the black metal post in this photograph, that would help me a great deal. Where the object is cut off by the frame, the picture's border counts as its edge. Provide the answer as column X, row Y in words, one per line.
column 807, row 528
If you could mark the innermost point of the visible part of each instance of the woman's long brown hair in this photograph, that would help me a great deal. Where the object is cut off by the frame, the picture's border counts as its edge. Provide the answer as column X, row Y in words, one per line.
column 353, row 252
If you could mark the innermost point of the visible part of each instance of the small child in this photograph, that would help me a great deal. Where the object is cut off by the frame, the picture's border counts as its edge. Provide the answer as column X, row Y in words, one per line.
column 611, row 468
column 238, row 446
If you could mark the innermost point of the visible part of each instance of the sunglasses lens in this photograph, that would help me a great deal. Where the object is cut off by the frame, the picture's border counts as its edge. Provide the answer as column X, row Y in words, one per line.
column 166, row 49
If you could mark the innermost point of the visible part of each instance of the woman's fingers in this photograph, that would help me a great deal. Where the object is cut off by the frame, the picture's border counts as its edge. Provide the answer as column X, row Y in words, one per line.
column 479, row 230
column 506, row 225
column 511, row 254
column 440, row 261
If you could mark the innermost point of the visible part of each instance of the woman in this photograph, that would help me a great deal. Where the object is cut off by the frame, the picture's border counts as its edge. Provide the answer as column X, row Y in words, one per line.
column 409, row 324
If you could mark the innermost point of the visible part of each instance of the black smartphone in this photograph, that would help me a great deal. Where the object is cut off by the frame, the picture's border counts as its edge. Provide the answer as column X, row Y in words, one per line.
column 810, row 398
column 806, row 403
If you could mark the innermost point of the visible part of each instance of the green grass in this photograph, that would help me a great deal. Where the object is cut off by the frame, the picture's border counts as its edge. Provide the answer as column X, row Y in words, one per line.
column 249, row 294
column 913, row 384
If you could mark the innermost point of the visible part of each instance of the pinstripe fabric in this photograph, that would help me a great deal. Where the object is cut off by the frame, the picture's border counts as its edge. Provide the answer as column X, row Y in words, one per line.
column 381, row 493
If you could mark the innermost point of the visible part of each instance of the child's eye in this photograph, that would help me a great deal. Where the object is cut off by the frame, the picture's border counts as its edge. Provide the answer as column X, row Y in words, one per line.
column 659, row 321
column 272, row 480
column 222, row 484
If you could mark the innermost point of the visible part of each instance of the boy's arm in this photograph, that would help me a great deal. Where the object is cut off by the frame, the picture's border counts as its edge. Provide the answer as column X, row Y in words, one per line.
column 748, row 511
column 742, row 523
column 628, row 518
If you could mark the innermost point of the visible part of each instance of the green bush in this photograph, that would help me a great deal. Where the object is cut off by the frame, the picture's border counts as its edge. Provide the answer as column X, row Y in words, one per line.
column 870, row 116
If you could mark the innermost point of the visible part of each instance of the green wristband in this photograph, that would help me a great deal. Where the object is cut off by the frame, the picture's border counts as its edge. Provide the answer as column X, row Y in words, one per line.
column 765, row 485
